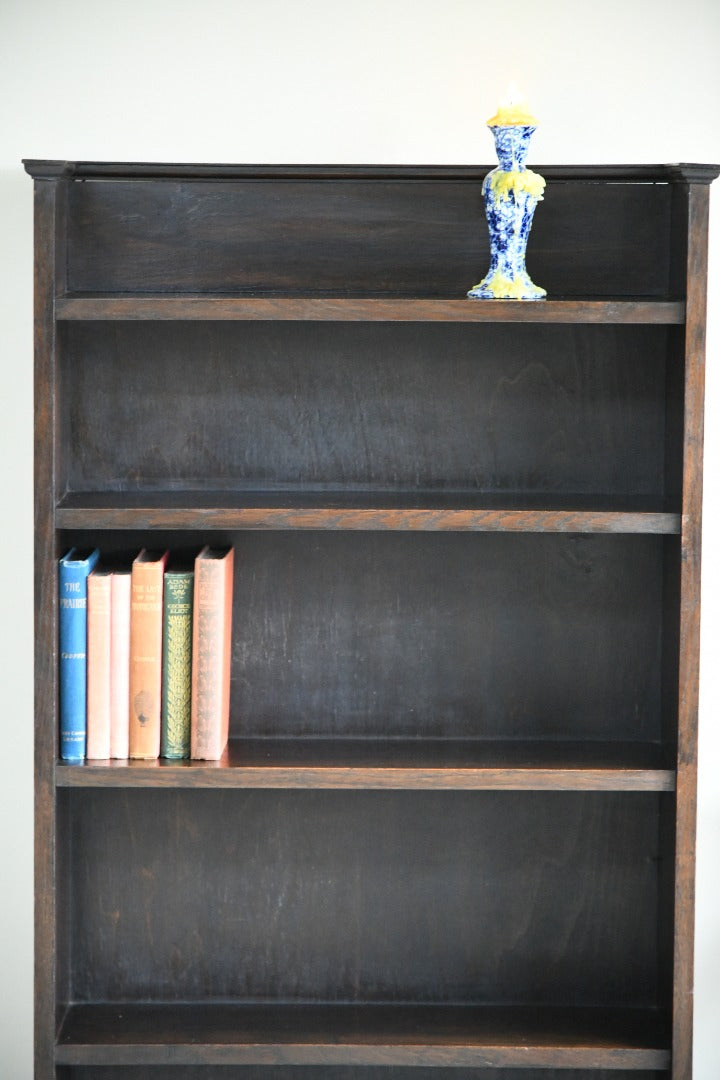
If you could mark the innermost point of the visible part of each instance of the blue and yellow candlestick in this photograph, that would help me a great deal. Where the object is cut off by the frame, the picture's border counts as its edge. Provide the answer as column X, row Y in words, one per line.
column 511, row 193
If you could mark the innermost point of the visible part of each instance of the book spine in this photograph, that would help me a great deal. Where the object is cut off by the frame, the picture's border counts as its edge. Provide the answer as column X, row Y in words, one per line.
column 98, row 665
column 177, row 664
column 212, row 641
column 120, row 665
column 146, row 588
column 72, row 632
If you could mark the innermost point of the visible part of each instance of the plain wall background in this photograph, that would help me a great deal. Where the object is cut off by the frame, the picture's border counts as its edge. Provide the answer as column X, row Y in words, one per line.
column 321, row 81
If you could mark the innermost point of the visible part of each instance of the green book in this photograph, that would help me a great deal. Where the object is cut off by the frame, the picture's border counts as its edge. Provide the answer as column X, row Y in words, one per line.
column 176, row 663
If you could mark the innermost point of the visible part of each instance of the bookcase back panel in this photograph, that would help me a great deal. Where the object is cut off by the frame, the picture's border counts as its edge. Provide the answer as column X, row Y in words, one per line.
column 466, row 635
column 545, row 898
column 455, row 635
column 359, row 236
column 539, row 409
column 413, row 636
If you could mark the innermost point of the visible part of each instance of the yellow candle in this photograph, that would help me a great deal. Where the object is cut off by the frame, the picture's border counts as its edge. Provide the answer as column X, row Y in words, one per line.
column 512, row 110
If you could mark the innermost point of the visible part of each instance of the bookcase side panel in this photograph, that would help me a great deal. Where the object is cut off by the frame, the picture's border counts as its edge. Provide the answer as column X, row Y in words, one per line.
column 50, row 975
column 696, row 263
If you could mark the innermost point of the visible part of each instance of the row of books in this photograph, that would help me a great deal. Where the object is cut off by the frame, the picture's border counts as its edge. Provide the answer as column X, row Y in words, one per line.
column 145, row 656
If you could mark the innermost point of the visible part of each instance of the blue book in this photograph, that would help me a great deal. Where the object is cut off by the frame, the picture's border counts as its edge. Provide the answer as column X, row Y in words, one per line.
column 72, row 583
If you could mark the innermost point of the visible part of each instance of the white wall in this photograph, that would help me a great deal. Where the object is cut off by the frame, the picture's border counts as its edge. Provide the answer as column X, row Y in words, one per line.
column 323, row 81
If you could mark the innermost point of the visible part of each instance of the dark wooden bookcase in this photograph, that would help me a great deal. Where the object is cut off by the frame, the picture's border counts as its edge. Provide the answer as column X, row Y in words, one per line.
column 453, row 834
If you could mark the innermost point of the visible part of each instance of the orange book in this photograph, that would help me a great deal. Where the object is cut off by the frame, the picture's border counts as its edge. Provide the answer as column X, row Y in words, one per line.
column 146, row 599
column 119, row 663
column 211, row 652
column 98, row 665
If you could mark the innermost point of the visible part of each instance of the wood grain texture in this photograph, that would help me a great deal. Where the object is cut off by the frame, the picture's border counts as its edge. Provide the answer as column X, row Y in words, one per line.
column 392, row 407
column 331, row 309
column 148, row 512
column 688, row 673
column 383, row 1036
column 50, row 973
column 423, row 635
column 422, row 764
column 401, row 236
column 480, row 893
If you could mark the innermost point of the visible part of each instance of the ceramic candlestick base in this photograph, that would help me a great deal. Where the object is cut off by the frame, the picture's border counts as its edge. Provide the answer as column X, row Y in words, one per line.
column 511, row 193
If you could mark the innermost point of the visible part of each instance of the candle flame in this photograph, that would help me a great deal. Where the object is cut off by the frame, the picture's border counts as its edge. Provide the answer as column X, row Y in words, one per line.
column 513, row 110
column 513, row 97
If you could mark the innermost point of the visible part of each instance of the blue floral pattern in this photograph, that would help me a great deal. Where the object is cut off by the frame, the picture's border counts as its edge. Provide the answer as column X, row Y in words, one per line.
column 511, row 192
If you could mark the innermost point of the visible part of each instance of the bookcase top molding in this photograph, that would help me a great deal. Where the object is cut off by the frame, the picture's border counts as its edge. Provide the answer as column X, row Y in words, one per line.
column 41, row 169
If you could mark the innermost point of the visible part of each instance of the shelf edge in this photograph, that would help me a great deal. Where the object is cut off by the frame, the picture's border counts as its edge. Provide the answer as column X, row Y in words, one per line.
column 327, row 777
column 364, row 309
column 470, row 1056
column 366, row 519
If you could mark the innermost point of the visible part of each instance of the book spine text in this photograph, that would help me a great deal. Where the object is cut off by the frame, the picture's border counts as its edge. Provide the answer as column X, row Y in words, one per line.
column 177, row 664
column 72, row 583
column 146, row 589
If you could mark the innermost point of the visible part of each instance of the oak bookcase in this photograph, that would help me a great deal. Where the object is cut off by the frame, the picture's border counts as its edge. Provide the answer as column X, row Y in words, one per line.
column 453, row 834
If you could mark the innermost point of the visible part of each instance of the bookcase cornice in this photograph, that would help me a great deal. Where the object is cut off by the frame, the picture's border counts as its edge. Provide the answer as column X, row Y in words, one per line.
column 42, row 169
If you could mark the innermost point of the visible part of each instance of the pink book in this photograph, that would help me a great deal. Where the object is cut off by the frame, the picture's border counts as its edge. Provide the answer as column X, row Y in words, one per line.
column 98, row 665
column 119, row 664
column 211, row 653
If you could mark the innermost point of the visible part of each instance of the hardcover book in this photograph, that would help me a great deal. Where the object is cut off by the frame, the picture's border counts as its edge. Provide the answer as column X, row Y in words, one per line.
column 98, row 663
column 73, row 573
column 212, row 639
column 177, row 663
column 120, row 664
column 146, row 594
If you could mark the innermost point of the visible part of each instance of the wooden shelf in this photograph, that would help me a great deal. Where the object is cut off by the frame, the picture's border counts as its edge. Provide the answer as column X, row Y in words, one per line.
column 452, row 764
column 308, row 1034
column 364, row 309
column 421, row 511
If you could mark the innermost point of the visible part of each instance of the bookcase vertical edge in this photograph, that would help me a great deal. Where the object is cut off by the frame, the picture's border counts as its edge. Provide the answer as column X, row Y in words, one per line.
column 49, row 258
column 696, row 268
